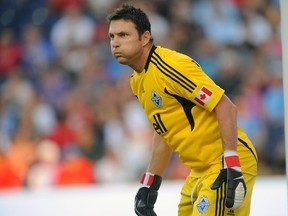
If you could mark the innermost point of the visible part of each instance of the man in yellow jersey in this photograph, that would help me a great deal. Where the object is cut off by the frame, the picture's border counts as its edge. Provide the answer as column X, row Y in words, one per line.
column 192, row 116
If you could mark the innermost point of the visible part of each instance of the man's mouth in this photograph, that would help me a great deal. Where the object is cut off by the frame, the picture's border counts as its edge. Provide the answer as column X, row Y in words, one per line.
column 117, row 54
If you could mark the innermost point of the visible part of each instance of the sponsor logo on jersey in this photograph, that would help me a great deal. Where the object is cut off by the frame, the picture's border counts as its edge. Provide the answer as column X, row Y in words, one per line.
column 203, row 95
column 156, row 99
column 158, row 124
column 203, row 204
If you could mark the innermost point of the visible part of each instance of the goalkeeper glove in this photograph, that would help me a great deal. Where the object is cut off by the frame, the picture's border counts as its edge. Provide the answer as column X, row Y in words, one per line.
column 232, row 175
column 147, row 195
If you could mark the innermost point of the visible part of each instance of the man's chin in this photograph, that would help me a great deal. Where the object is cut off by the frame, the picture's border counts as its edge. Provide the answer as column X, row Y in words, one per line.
column 122, row 61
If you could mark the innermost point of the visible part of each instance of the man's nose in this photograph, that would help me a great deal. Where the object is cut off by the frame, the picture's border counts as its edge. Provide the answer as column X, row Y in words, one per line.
column 114, row 42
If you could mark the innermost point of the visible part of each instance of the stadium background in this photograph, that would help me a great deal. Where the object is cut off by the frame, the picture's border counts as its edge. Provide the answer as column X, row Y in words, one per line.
column 68, row 117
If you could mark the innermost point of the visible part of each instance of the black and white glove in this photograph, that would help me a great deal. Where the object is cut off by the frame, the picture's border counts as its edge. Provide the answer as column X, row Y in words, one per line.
column 147, row 195
column 232, row 175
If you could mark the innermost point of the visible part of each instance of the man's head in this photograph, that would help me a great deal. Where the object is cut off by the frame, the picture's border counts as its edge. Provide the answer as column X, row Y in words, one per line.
column 135, row 15
column 130, row 36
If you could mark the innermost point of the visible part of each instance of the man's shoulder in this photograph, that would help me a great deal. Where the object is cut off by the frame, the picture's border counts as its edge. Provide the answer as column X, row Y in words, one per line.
column 170, row 55
column 164, row 50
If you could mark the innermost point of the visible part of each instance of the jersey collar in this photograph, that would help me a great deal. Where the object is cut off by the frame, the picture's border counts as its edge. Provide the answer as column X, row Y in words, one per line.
column 149, row 57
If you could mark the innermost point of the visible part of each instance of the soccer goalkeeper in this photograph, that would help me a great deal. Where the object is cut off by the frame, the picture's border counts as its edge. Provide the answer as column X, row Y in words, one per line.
column 192, row 116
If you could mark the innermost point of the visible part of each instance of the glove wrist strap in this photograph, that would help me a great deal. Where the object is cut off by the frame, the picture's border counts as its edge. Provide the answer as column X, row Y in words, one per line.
column 231, row 160
column 150, row 180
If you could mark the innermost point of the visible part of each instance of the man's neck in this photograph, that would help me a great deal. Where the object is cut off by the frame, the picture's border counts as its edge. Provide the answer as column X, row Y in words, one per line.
column 140, row 65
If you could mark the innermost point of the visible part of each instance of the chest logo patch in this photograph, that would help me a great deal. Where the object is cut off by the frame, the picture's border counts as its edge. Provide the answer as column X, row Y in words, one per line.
column 203, row 204
column 156, row 99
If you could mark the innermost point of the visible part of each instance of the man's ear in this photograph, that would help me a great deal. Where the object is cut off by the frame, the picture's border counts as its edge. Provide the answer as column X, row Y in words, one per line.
column 146, row 36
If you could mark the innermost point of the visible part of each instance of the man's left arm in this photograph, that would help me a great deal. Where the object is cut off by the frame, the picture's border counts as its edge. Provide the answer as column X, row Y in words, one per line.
column 226, row 113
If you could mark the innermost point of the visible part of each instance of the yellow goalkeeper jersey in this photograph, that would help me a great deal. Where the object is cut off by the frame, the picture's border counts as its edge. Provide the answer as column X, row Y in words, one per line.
column 178, row 99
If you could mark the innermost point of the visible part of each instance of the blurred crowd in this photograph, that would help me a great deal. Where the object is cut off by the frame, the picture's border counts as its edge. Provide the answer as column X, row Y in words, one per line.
column 67, row 115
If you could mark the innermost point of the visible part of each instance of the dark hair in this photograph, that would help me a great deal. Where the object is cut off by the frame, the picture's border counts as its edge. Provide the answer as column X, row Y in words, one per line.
column 136, row 15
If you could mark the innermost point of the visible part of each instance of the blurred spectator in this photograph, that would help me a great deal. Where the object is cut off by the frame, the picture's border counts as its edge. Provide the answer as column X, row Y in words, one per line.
column 43, row 117
column 43, row 172
column 250, row 111
column 60, row 5
column 206, row 56
column 10, row 53
column 176, row 169
column 63, row 134
column 18, row 89
column 17, row 95
column 114, row 70
column 93, row 77
column 16, row 164
column 100, row 8
column 257, row 28
column 38, row 52
column 53, row 86
column 220, row 21
column 127, row 136
column 74, row 169
column 180, row 10
column 135, row 156
column 90, row 142
column 230, row 73
column 108, row 169
column 159, row 25
column 179, row 34
column 73, row 29
column 273, row 104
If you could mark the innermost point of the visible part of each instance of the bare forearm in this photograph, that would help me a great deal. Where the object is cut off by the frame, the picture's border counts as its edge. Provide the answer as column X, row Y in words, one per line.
column 161, row 154
column 226, row 113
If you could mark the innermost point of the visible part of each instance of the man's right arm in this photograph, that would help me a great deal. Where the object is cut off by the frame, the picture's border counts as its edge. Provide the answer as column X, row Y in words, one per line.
column 161, row 154
column 151, row 179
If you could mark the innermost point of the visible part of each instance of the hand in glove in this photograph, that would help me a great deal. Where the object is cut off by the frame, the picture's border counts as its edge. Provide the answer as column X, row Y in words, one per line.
column 147, row 195
column 232, row 175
